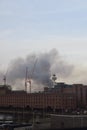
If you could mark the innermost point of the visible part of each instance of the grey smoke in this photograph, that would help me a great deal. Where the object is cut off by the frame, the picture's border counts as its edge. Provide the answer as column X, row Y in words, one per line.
column 40, row 67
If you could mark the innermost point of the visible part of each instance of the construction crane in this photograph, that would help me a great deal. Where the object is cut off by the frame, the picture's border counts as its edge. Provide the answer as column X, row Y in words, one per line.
column 28, row 77
column 5, row 77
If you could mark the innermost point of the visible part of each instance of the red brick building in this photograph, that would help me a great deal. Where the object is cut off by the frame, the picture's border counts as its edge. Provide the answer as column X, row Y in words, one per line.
column 62, row 96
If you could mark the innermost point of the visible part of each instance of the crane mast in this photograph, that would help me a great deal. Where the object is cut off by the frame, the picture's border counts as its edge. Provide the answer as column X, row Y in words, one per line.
column 28, row 78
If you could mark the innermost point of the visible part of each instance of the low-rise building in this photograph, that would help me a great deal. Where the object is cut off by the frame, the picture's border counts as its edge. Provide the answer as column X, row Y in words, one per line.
column 62, row 96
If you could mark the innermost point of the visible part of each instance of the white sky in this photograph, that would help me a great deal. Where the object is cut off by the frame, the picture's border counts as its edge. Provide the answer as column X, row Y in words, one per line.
column 28, row 26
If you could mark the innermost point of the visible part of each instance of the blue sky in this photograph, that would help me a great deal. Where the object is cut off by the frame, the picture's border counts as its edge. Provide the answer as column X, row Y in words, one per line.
column 28, row 26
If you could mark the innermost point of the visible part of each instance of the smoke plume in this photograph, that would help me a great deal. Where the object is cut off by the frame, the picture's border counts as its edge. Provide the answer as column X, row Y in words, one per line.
column 40, row 69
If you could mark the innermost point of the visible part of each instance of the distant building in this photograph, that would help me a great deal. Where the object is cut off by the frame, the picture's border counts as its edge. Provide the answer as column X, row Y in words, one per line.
column 62, row 96
column 79, row 90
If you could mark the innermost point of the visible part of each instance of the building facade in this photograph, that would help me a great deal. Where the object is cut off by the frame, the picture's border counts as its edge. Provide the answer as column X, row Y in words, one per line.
column 62, row 96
